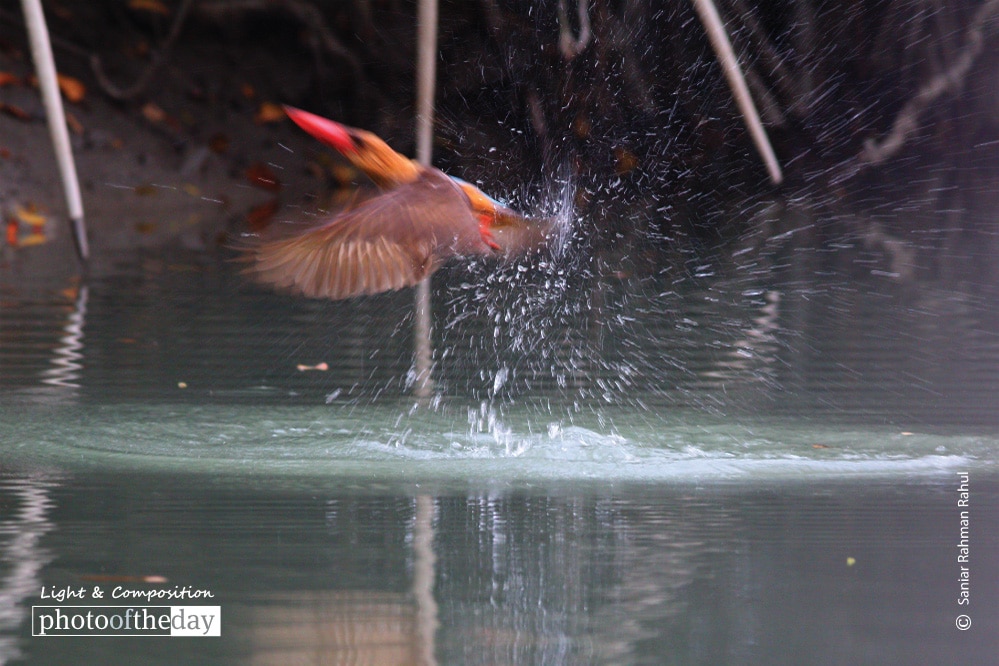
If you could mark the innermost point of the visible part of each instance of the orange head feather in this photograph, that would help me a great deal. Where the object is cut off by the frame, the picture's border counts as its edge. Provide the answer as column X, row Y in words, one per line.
column 365, row 150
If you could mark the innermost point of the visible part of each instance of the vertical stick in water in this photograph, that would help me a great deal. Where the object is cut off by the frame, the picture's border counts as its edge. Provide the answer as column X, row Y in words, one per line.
column 423, row 352
column 737, row 82
column 426, row 63
column 423, row 533
column 424, row 561
column 41, row 53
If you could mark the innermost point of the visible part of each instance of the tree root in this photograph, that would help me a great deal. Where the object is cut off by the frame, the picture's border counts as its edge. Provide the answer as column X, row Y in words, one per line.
column 142, row 82
column 946, row 81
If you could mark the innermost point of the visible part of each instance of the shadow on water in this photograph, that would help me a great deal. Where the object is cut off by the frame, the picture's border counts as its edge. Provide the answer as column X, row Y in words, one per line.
column 748, row 461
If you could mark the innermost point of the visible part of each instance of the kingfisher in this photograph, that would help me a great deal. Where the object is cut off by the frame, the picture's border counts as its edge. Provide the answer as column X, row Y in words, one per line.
column 418, row 219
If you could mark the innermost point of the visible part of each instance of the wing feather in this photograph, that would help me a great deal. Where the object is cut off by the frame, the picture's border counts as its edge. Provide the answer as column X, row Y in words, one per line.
column 387, row 242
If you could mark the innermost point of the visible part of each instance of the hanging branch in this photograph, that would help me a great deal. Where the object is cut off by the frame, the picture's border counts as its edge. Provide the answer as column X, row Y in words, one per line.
column 140, row 84
column 949, row 80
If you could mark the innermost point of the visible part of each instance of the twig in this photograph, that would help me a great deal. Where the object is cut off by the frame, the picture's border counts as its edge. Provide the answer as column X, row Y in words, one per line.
column 949, row 80
column 140, row 84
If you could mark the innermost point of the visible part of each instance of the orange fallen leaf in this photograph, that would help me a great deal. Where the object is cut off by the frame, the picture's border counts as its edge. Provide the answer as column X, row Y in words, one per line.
column 8, row 79
column 12, row 238
column 145, row 190
column 151, row 6
column 269, row 112
column 247, row 91
column 36, row 237
column 153, row 113
column 343, row 174
column 31, row 215
column 260, row 176
column 14, row 111
column 261, row 216
column 625, row 161
column 219, row 143
column 72, row 88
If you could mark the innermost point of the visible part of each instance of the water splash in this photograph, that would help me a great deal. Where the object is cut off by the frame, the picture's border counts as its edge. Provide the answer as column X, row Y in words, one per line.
column 526, row 310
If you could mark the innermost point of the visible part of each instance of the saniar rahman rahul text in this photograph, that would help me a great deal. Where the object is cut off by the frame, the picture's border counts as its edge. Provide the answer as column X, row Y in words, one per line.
column 963, row 545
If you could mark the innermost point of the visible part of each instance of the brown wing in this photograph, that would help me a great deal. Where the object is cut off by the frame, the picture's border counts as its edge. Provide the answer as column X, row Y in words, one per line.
column 390, row 241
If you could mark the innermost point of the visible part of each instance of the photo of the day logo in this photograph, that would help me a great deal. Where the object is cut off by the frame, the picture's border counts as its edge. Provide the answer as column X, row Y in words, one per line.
column 126, row 620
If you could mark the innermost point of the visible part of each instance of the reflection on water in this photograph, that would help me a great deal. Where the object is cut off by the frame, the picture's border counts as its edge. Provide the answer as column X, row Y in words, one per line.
column 66, row 356
column 335, row 627
column 808, row 340
column 823, row 572
column 24, row 521
column 747, row 463
column 424, row 560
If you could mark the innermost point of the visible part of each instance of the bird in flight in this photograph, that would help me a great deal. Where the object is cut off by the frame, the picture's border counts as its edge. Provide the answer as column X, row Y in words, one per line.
column 418, row 219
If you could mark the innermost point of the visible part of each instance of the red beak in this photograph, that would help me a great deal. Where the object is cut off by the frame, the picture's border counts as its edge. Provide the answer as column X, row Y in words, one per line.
column 331, row 133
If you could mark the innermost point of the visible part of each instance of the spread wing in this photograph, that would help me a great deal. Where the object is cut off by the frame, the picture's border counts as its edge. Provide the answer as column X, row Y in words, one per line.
column 387, row 242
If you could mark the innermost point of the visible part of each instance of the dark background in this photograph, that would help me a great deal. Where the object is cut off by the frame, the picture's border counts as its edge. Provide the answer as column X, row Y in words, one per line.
column 638, row 118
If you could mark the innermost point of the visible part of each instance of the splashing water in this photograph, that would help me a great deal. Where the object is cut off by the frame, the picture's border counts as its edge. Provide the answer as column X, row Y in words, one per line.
column 527, row 310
